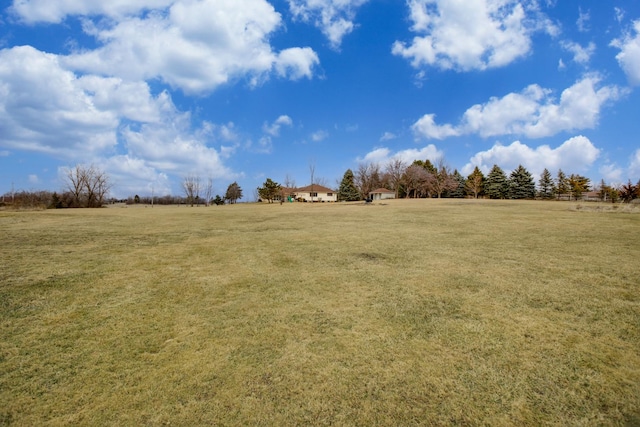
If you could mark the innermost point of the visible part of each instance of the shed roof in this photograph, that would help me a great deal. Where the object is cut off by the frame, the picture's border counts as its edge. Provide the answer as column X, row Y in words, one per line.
column 383, row 190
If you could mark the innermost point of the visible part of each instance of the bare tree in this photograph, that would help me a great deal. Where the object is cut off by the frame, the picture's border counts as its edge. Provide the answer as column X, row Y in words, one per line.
column 312, row 172
column 75, row 183
column 191, row 188
column 289, row 182
column 89, row 186
column 395, row 170
column 417, row 180
column 367, row 178
column 444, row 180
column 208, row 191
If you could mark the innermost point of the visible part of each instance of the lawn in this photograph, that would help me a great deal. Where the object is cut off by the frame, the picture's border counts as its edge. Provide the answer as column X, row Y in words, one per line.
column 408, row 312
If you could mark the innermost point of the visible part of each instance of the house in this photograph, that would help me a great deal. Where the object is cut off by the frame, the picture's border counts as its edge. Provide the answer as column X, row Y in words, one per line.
column 382, row 194
column 314, row 193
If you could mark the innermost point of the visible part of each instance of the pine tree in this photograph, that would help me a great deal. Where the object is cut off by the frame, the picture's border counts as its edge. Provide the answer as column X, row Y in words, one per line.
column 562, row 183
column 458, row 192
column 348, row 191
column 521, row 184
column 578, row 184
column 546, row 185
column 496, row 186
column 269, row 190
column 234, row 193
column 475, row 182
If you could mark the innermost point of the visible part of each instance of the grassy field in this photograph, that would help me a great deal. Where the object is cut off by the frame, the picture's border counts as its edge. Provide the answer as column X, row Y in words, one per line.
column 419, row 312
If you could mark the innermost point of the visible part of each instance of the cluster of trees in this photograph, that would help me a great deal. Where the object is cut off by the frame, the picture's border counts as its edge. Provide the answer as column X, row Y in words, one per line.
column 197, row 193
column 88, row 186
column 85, row 187
column 423, row 179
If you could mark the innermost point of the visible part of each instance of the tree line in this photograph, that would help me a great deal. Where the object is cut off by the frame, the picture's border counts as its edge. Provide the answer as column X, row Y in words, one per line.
column 423, row 179
column 88, row 186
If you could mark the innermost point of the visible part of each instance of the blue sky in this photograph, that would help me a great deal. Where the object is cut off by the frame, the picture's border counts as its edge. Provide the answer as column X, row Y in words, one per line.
column 155, row 90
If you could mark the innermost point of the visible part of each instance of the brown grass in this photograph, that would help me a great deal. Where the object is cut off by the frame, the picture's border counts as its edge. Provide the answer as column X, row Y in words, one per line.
column 419, row 312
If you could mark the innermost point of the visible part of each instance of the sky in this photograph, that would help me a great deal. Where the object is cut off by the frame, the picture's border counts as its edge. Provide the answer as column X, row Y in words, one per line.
column 152, row 91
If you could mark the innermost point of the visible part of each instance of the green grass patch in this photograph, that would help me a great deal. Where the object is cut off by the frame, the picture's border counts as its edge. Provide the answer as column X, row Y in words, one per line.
column 411, row 312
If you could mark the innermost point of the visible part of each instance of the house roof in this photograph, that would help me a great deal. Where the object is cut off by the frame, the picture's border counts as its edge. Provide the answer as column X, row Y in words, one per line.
column 383, row 190
column 316, row 189
column 287, row 190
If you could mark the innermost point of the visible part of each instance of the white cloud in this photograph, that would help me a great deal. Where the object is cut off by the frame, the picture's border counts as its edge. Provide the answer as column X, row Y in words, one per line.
column 382, row 155
column 629, row 56
column 583, row 20
column 32, row 11
column 33, row 179
column 45, row 108
column 130, row 175
column 427, row 127
column 611, row 174
column 533, row 112
column 273, row 129
column 581, row 55
column 333, row 17
column 388, row 136
column 174, row 147
column 634, row 165
column 575, row 155
column 320, row 135
column 296, row 63
column 619, row 14
column 470, row 35
column 195, row 46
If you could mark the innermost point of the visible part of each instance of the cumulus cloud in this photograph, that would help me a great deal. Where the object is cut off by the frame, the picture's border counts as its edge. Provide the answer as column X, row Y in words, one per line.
column 581, row 55
column 533, row 112
column 195, row 46
column 48, row 109
column 273, row 129
column 335, row 18
column 611, row 173
column 470, row 35
column 576, row 154
column 173, row 146
column 32, row 11
column 629, row 56
column 383, row 155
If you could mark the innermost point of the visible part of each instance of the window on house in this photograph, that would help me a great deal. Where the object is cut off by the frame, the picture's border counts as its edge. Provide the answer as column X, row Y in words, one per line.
column 329, row 194
column 314, row 194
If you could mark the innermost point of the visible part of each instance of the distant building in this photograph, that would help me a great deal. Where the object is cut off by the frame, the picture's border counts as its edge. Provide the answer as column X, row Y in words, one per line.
column 310, row 193
column 382, row 194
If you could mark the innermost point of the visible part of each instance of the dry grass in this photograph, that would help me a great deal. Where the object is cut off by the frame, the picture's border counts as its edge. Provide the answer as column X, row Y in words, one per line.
column 410, row 313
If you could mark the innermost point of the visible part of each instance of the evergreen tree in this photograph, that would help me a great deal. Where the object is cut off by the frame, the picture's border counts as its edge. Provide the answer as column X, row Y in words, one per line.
column 218, row 200
column 578, row 184
column 521, row 184
column 458, row 192
column 269, row 190
column 496, row 186
column 628, row 192
column 545, row 185
column 234, row 193
column 475, row 182
column 562, row 183
column 348, row 191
